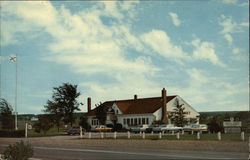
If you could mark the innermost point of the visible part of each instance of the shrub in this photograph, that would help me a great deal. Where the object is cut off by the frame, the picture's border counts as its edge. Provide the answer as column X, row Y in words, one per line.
column 118, row 127
column 18, row 151
column 6, row 133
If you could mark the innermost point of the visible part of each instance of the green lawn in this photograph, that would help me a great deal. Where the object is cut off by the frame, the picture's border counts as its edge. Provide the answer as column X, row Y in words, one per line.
column 51, row 132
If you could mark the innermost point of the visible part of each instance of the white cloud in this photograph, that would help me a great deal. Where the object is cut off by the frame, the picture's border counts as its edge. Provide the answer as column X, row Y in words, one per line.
column 205, row 51
column 208, row 92
column 111, row 9
column 236, row 50
column 230, row 26
column 175, row 19
column 161, row 43
column 229, row 1
column 229, row 38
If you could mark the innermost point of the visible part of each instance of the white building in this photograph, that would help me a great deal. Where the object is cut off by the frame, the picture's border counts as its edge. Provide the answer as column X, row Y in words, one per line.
column 138, row 111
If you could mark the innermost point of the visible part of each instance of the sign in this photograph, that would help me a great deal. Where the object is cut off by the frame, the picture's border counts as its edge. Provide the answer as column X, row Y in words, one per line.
column 29, row 126
column 232, row 123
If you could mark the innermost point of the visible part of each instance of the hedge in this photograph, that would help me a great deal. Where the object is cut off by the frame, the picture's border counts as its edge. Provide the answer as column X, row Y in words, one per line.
column 6, row 133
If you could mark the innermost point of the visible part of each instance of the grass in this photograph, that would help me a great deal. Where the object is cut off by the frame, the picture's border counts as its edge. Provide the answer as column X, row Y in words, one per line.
column 51, row 132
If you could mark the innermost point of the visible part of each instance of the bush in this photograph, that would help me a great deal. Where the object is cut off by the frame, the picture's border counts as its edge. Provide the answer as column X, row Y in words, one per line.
column 6, row 133
column 118, row 127
column 18, row 151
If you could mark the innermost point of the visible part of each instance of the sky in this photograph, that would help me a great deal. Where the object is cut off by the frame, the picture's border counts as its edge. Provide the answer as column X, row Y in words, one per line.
column 197, row 49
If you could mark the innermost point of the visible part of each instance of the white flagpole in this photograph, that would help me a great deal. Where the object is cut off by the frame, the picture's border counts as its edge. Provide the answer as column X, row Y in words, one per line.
column 16, row 98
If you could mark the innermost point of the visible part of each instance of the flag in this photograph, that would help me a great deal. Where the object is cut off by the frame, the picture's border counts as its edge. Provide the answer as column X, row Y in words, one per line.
column 13, row 59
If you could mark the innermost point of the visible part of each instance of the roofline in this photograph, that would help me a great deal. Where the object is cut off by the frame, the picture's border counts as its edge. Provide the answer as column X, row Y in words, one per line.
column 138, row 99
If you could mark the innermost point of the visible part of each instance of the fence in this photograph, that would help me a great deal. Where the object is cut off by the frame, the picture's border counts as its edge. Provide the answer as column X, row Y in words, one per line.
column 162, row 135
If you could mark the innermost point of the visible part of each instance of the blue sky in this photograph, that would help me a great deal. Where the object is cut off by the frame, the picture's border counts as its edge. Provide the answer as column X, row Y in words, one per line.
column 112, row 50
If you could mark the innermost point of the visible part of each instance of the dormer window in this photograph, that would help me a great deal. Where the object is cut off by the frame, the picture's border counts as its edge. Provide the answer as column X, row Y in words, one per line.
column 117, row 112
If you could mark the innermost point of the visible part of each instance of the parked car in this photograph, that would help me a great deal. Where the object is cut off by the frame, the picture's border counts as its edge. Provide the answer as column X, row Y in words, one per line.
column 101, row 128
column 196, row 128
column 74, row 131
column 166, row 128
column 140, row 128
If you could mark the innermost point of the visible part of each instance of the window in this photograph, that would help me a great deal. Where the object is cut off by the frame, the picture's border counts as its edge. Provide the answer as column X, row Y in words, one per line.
column 116, row 111
column 124, row 121
column 147, row 121
column 143, row 120
column 128, row 121
column 132, row 121
column 95, row 122
column 135, row 121
column 139, row 121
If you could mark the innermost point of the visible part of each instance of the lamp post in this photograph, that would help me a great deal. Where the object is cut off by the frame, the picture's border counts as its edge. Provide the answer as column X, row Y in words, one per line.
column 14, row 59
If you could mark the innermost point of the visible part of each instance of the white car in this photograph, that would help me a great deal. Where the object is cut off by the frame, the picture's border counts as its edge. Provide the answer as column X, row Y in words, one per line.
column 196, row 128
column 166, row 127
column 141, row 128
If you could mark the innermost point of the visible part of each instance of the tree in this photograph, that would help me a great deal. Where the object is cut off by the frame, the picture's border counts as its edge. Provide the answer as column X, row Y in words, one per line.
column 6, row 117
column 215, row 124
column 178, row 117
column 43, row 124
column 101, row 113
column 63, row 103
column 55, row 111
column 83, row 122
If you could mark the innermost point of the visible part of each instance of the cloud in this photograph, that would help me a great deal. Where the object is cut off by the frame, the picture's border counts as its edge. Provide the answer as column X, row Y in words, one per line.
column 236, row 50
column 205, row 51
column 203, row 86
column 160, row 42
column 175, row 19
column 229, row 38
column 230, row 26
column 230, row 1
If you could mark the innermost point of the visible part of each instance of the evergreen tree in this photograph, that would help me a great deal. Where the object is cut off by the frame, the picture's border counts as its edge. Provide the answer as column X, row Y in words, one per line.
column 178, row 117
column 101, row 113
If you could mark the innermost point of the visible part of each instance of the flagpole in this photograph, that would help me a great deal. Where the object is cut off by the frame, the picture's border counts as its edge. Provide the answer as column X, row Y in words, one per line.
column 16, row 99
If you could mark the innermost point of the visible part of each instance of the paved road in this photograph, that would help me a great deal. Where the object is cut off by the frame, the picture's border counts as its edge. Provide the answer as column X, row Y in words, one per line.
column 121, row 153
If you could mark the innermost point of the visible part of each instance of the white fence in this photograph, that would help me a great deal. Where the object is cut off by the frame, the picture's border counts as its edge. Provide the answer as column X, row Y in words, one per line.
column 143, row 135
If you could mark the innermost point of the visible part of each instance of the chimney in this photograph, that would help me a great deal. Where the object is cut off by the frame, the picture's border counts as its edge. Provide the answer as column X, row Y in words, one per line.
column 164, row 106
column 89, row 104
column 135, row 96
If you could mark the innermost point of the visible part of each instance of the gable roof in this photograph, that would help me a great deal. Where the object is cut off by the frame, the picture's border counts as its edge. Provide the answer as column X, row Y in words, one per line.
column 135, row 106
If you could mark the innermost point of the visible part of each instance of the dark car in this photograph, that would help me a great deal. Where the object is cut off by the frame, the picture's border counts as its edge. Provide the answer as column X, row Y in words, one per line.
column 74, row 131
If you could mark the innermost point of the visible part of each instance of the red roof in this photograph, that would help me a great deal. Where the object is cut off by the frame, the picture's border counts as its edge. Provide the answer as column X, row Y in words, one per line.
column 136, row 106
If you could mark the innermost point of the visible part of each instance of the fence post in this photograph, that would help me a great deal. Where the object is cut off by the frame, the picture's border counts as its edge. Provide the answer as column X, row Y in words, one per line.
column 178, row 135
column 152, row 133
column 140, row 133
column 192, row 132
column 172, row 132
column 89, row 135
column 143, row 135
column 159, row 135
column 128, row 135
column 242, row 136
column 198, row 136
column 81, row 132
column 249, row 147
column 219, row 136
column 26, row 130
column 102, row 135
column 115, row 135
column 182, row 132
